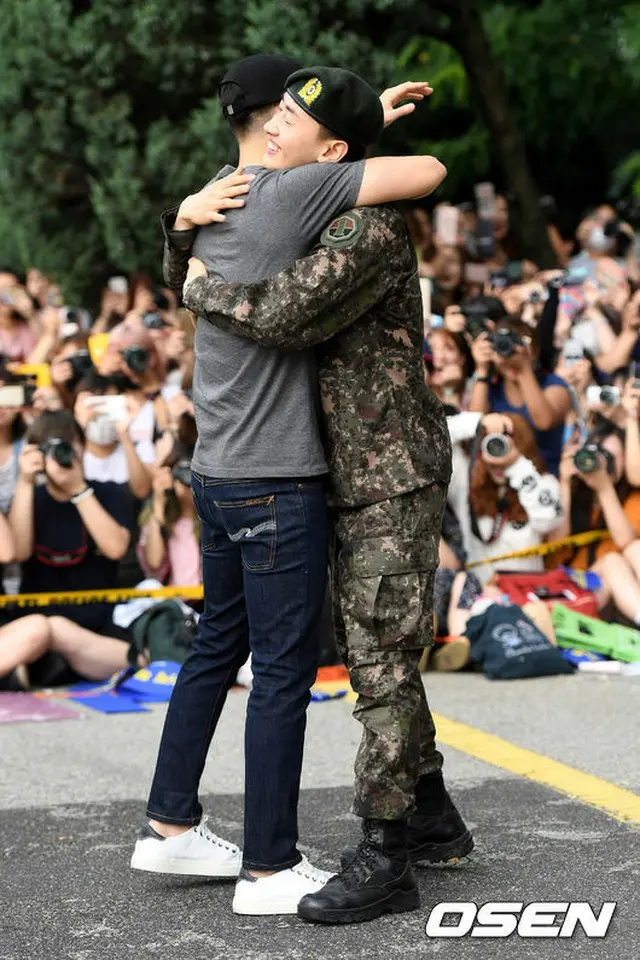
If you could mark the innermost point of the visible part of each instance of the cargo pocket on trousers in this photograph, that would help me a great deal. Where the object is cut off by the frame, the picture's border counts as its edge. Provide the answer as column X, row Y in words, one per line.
column 389, row 591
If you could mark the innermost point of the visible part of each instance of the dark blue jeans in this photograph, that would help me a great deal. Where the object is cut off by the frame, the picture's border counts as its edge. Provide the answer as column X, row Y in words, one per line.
column 264, row 567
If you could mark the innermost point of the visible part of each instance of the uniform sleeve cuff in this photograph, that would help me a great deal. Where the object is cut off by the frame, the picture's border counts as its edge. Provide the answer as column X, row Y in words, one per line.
column 177, row 239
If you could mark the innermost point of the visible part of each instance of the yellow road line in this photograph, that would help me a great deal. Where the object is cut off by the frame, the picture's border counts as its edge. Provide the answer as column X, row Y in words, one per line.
column 616, row 801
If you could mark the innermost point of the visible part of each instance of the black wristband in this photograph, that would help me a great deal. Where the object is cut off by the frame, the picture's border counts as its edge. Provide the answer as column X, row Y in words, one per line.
column 483, row 379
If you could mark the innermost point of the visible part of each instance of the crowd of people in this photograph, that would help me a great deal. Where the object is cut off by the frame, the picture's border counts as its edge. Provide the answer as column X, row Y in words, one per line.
column 97, row 430
column 536, row 369
column 539, row 371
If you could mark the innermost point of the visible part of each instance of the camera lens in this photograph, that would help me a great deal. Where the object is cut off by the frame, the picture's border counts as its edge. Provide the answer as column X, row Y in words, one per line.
column 152, row 320
column 504, row 343
column 136, row 358
column 496, row 445
column 59, row 450
column 587, row 458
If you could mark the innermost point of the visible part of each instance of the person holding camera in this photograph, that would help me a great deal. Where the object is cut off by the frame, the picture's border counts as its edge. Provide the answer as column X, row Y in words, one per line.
column 507, row 380
column 169, row 545
column 110, row 452
column 69, row 535
column 505, row 501
column 596, row 495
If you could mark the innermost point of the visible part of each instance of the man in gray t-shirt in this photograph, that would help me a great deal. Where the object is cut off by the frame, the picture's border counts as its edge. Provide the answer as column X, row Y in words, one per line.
column 257, row 408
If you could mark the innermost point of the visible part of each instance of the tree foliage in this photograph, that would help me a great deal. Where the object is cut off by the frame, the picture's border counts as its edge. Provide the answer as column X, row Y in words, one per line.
column 108, row 108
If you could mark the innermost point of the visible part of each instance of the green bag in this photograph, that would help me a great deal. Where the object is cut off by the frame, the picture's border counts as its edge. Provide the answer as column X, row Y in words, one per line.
column 163, row 632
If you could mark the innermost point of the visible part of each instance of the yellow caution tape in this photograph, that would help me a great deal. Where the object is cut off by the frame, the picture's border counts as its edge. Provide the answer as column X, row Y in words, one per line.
column 576, row 540
column 98, row 596
column 119, row 595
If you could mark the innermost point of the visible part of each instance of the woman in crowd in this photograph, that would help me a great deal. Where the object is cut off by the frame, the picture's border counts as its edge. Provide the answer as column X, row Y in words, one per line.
column 448, row 278
column 600, row 497
column 70, row 360
column 169, row 545
column 133, row 362
column 505, row 501
column 69, row 536
column 110, row 452
column 447, row 366
column 17, row 338
column 512, row 383
column 421, row 232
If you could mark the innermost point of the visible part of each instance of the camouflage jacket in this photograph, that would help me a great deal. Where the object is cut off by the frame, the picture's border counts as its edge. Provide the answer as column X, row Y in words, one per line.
column 357, row 300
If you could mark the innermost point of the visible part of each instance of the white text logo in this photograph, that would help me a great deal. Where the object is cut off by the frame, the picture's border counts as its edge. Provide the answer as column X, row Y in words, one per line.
column 551, row 919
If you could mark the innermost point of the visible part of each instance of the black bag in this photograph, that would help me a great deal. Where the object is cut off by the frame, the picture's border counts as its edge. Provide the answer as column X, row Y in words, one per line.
column 163, row 632
column 509, row 645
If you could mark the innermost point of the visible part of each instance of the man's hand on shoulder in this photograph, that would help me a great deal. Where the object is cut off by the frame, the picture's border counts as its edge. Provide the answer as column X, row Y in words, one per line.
column 202, row 208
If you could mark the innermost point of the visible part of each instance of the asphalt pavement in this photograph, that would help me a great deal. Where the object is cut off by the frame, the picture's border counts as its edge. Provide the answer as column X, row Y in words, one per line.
column 72, row 795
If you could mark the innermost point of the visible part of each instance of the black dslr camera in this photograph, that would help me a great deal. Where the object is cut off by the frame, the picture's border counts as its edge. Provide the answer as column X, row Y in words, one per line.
column 136, row 358
column 587, row 458
column 504, row 342
column 60, row 450
column 80, row 364
column 622, row 239
column 181, row 471
column 477, row 310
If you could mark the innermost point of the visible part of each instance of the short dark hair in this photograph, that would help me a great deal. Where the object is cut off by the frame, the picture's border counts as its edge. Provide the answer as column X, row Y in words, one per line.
column 251, row 121
column 55, row 424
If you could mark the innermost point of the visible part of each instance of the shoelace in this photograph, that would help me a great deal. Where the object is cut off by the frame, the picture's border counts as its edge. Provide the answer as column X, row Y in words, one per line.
column 306, row 870
column 357, row 871
column 203, row 830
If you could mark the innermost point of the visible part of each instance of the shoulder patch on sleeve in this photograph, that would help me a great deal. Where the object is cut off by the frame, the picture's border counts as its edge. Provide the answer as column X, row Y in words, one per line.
column 342, row 232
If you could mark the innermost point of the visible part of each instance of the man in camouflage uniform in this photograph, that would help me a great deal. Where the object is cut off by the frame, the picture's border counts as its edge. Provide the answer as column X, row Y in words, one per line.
column 357, row 300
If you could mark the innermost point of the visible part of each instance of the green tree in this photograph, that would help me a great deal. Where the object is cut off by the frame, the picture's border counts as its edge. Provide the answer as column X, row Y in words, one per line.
column 108, row 108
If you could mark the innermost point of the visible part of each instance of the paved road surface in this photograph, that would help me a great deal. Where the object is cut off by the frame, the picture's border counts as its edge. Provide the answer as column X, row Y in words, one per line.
column 72, row 795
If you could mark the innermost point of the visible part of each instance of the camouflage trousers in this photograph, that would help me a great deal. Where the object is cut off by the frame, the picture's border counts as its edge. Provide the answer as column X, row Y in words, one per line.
column 385, row 556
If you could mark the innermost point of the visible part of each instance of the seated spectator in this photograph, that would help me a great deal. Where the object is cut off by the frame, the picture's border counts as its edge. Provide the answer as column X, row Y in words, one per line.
column 506, row 501
column 69, row 536
column 513, row 383
column 600, row 498
column 169, row 545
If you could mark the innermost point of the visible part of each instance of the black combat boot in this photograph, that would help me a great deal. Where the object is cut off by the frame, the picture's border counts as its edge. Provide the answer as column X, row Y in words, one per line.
column 378, row 880
column 436, row 832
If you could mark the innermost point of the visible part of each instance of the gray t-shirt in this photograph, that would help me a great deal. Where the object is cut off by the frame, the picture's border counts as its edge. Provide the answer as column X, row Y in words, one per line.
column 257, row 407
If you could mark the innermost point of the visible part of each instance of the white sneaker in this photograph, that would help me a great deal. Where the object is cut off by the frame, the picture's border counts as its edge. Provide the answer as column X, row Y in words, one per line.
column 197, row 853
column 244, row 676
column 279, row 893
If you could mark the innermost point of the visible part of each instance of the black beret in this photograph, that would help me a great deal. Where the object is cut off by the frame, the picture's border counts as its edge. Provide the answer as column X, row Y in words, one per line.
column 341, row 101
column 256, row 81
